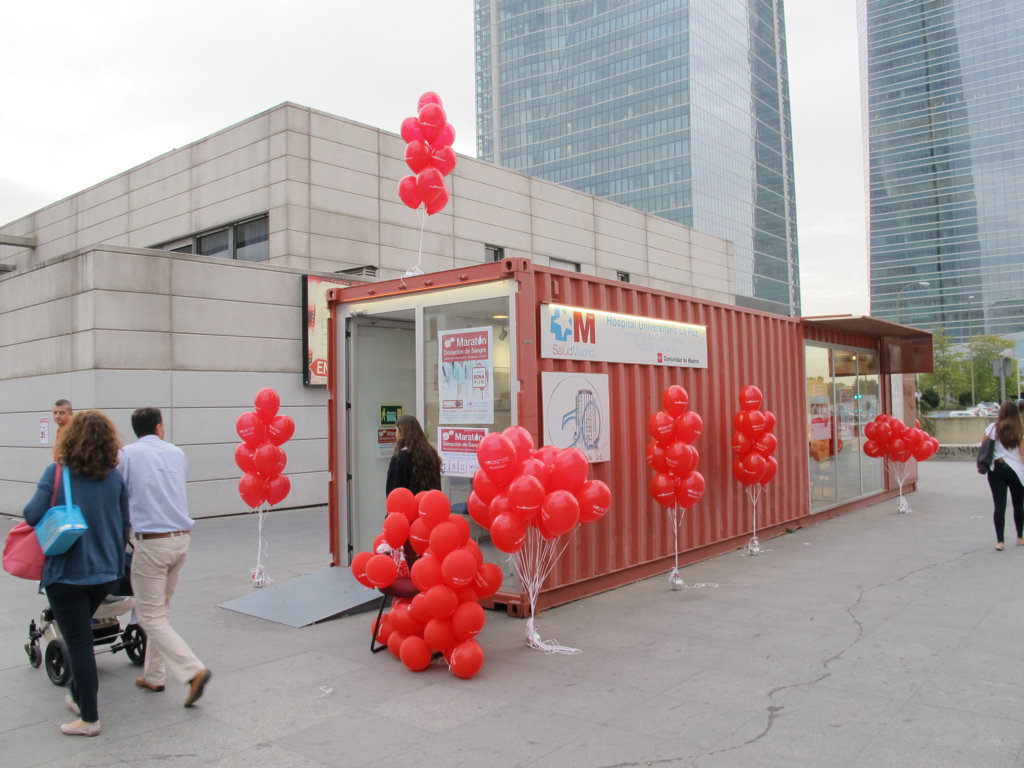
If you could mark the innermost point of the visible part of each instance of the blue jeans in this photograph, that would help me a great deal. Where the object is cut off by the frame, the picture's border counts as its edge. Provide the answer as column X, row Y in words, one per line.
column 1000, row 480
column 73, row 606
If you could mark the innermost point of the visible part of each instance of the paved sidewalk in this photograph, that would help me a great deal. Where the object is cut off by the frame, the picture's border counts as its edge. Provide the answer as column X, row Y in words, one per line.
column 874, row 639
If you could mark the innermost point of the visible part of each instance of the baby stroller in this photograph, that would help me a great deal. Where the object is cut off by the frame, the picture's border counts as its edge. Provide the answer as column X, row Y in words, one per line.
column 107, row 635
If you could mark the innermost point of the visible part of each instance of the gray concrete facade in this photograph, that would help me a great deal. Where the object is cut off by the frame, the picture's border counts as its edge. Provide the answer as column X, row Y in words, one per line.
column 97, row 314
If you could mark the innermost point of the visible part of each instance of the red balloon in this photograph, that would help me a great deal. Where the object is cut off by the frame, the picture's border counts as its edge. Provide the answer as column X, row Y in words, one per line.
column 487, row 580
column 508, row 533
column 462, row 527
column 595, row 497
column 467, row 659
column 681, row 458
column 661, row 426
column 381, row 571
column 497, row 457
column 277, row 487
column 750, row 398
column 443, row 158
column 535, row 468
column 267, row 402
column 269, row 459
column 444, row 538
column 690, row 490
column 766, row 444
column 483, row 486
column 418, row 607
column 426, row 573
column 676, row 400
column 769, row 421
column 429, row 97
column 414, row 653
column 402, row 500
column 395, row 640
column 445, row 137
column 419, row 535
column 458, row 568
column 570, row 471
column 741, row 444
column 522, row 440
column 434, row 508
column 688, row 427
column 251, row 488
column 243, row 458
column 411, row 130
column 432, row 120
column 467, row 621
column 882, row 433
column 251, row 429
column 359, row 567
column 749, row 469
column 663, row 490
column 560, row 512
column 478, row 510
column 754, row 423
column 429, row 184
column 409, row 193
column 439, row 634
column 869, row 430
column 396, row 529
column 499, row 506
column 402, row 621
column 441, row 601
column 656, row 456
column 281, row 429
column 771, row 468
column 526, row 494
column 439, row 201
column 871, row 448
column 417, row 156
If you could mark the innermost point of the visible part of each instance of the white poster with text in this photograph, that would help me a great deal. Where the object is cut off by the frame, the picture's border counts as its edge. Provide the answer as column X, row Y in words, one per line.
column 466, row 386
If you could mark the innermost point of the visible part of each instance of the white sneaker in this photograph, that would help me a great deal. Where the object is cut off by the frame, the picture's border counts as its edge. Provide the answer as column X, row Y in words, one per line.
column 81, row 728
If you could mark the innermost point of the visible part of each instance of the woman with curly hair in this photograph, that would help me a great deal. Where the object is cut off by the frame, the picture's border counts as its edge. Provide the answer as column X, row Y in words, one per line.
column 415, row 464
column 1007, row 471
column 77, row 581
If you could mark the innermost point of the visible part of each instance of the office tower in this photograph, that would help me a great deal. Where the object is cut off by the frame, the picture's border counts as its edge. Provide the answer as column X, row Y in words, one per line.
column 677, row 108
column 945, row 140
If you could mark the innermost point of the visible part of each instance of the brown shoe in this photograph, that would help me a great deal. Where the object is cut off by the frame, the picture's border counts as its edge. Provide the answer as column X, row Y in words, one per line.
column 143, row 683
column 196, row 685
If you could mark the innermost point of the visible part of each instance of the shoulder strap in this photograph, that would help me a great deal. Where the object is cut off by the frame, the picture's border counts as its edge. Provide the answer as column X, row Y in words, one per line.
column 67, row 487
column 56, row 485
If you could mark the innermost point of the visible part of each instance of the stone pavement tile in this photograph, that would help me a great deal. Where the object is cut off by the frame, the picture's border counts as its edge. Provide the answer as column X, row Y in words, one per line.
column 998, row 699
column 610, row 747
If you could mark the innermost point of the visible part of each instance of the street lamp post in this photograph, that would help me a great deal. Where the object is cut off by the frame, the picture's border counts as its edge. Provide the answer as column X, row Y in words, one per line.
column 970, row 344
column 899, row 294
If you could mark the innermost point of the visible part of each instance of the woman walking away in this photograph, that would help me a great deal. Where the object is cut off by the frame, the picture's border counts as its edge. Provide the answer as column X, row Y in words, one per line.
column 77, row 581
column 415, row 464
column 1007, row 471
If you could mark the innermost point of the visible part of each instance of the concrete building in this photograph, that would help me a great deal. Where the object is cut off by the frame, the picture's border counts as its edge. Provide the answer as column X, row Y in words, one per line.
column 180, row 282
column 676, row 109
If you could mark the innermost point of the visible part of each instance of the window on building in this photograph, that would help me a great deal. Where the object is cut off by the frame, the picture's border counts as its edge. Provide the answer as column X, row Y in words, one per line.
column 243, row 240
column 493, row 252
column 623, row 276
column 572, row 266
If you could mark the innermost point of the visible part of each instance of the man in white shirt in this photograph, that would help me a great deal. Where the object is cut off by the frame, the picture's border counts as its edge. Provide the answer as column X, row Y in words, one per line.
column 154, row 471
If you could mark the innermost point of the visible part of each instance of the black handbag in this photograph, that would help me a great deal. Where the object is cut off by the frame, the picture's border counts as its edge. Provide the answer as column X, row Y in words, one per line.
column 986, row 451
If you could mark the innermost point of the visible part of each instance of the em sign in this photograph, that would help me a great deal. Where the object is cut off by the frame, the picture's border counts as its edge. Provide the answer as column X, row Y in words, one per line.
column 575, row 333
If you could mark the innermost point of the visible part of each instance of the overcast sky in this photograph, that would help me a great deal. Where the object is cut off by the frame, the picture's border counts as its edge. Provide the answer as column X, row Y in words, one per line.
column 92, row 89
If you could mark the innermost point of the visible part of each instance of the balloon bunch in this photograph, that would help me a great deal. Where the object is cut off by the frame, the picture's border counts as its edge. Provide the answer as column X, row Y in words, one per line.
column 449, row 571
column 528, row 498
column 676, row 485
column 429, row 155
column 895, row 443
column 753, row 443
column 262, row 460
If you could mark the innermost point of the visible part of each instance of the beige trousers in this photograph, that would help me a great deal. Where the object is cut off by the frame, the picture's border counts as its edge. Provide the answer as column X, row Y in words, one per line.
column 155, row 569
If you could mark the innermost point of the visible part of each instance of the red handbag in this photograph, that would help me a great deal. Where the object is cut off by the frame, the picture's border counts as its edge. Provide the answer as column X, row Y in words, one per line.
column 23, row 557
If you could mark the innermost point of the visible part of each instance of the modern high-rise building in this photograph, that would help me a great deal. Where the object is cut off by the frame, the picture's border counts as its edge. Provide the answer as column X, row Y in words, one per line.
column 944, row 127
column 678, row 108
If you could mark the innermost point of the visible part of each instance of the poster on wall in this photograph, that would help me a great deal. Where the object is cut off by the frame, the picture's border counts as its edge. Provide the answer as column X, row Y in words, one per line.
column 457, row 447
column 466, row 388
column 575, row 333
column 576, row 412
column 314, row 327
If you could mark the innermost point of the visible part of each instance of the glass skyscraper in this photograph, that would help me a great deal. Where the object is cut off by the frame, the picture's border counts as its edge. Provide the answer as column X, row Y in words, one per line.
column 944, row 125
column 678, row 108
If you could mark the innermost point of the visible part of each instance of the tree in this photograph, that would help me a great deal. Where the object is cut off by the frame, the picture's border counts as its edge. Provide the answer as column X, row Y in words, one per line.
column 985, row 350
column 949, row 374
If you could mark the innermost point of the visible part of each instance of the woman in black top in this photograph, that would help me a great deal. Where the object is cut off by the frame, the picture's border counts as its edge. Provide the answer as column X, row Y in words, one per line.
column 415, row 464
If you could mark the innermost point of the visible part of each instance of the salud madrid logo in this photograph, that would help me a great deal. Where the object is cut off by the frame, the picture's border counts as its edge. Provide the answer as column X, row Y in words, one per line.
column 573, row 325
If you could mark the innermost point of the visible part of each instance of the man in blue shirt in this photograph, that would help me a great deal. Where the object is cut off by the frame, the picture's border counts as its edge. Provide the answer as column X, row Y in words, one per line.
column 154, row 471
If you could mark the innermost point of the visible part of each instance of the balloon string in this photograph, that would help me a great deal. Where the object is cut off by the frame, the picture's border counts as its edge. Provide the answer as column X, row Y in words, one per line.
column 259, row 574
column 417, row 269
column 534, row 562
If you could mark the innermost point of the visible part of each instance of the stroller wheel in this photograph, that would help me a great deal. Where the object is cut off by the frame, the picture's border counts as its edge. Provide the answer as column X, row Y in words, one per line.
column 134, row 639
column 35, row 658
column 57, row 667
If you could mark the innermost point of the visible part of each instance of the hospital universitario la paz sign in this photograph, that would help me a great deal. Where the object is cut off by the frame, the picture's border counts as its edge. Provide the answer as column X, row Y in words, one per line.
column 576, row 333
